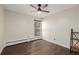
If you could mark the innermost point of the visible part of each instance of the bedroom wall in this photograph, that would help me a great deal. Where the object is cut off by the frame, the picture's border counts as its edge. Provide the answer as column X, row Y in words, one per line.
column 2, row 42
column 56, row 28
column 18, row 27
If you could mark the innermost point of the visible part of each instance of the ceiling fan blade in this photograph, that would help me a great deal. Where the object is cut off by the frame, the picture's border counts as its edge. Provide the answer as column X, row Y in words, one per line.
column 45, row 11
column 33, row 6
column 45, row 5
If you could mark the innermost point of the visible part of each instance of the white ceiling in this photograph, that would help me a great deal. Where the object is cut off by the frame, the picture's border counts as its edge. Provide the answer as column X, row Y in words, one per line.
column 27, row 9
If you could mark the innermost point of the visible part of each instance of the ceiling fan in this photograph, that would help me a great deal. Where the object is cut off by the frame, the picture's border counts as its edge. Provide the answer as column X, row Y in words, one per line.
column 40, row 8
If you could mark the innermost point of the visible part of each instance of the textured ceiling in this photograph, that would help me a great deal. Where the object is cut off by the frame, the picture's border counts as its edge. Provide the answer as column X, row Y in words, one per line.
column 27, row 9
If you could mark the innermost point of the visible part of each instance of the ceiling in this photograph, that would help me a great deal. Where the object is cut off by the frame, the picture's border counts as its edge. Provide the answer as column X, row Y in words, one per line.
column 27, row 9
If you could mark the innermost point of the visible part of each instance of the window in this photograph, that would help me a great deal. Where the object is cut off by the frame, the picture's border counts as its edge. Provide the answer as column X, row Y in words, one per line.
column 37, row 25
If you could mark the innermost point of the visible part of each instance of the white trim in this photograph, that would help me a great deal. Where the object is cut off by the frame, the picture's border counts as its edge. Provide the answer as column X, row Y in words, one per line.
column 59, row 44
column 19, row 41
column 1, row 49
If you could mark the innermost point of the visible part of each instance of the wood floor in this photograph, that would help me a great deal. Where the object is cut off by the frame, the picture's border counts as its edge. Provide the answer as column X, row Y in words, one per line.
column 37, row 47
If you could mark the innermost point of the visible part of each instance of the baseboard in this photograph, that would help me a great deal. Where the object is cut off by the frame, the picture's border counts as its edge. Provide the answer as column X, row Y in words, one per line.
column 1, row 49
column 19, row 41
column 59, row 44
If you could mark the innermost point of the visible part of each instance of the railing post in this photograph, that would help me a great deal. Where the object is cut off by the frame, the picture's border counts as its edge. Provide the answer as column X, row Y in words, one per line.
column 71, row 40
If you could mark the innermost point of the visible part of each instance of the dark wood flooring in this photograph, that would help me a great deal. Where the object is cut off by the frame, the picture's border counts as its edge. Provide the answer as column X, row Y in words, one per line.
column 37, row 47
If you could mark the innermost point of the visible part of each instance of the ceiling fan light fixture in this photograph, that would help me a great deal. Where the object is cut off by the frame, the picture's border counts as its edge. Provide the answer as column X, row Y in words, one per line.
column 39, row 12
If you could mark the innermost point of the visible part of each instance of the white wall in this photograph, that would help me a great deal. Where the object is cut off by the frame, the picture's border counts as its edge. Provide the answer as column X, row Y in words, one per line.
column 58, row 26
column 18, row 26
column 1, row 28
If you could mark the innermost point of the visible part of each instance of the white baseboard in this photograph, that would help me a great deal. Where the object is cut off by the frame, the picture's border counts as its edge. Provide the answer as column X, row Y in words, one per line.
column 19, row 41
column 1, row 49
column 59, row 44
